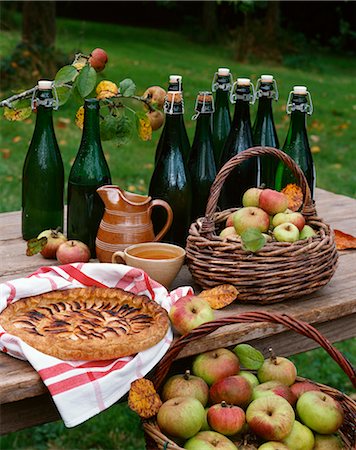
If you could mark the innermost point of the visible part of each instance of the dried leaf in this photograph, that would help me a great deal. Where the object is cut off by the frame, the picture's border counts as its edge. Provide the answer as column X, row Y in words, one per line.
column 17, row 114
column 35, row 245
column 79, row 117
column 344, row 241
column 220, row 296
column 143, row 398
column 294, row 194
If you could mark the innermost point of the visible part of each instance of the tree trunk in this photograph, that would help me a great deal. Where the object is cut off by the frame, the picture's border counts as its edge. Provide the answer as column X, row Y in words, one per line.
column 210, row 21
column 39, row 24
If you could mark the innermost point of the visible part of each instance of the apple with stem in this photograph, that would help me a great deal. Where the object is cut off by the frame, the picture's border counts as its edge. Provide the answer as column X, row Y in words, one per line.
column 73, row 251
column 270, row 417
column 98, row 59
column 181, row 417
column 296, row 218
column 155, row 95
column 54, row 239
column 215, row 365
column 226, row 419
column 277, row 368
column 300, row 438
column 306, row 232
column 186, row 385
column 189, row 312
column 251, row 217
column 209, row 440
column 320, row 412
column 286, row 232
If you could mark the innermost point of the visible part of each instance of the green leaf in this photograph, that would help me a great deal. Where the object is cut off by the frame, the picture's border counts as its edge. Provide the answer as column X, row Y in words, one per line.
column 127, row 87
column 35, row 245
column 249, row 357
column 63, row 93
column 86, row 81
column 108, row 127
column 65, row 75
column 252, row 240
column 124, row 130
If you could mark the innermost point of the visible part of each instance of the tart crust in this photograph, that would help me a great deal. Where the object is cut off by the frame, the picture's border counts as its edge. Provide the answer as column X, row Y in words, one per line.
column 87, row 323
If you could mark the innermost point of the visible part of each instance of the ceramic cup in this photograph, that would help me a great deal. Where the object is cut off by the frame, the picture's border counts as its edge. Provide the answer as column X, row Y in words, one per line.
column 161, row 261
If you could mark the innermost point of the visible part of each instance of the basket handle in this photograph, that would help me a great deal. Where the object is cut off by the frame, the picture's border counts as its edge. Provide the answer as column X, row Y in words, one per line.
column 308, row 208
column 296, row 325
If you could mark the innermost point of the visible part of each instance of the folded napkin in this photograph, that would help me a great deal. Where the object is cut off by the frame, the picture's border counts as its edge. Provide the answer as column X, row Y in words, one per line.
column 81, row 389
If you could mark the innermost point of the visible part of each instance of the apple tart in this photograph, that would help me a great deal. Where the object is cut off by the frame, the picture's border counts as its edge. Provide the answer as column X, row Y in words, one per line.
column 87, row 323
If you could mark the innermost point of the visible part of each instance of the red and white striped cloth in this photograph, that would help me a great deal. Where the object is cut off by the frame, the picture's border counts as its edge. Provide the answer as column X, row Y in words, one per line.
column 82, row 389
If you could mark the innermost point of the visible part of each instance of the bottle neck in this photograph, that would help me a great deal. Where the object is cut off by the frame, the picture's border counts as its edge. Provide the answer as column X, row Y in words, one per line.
column 91, row 128
column 298, row 121
column 203, row 127
column 44, row 114
column 242, row 112
column 264, row 108
column 222, row 99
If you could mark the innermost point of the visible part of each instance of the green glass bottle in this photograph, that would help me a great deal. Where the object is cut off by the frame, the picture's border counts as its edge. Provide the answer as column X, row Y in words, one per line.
column 175, row 84
column 170, row 180
column 221, row 85
column 201, row 164
column 43, row 171
column 296, row 145
column 244, row 175
column 89, row 171
column 263, row 130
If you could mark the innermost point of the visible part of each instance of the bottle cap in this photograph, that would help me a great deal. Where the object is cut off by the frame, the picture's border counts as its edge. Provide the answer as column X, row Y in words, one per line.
column 223, row 71
column 174, row 96
column 267, row 78
column 45, row 85
column 175, row 78
column 300, row 90
column 243, row 82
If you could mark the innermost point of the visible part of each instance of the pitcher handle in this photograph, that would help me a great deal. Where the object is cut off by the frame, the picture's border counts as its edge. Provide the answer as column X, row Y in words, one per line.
column 165, row 205
column 118, row 258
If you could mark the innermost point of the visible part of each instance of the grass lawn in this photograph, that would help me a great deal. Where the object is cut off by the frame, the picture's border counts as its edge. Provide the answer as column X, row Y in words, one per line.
column 148, row 57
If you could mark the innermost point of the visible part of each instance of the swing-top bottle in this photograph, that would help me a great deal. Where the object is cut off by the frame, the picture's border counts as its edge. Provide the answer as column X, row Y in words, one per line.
column 264, row 130
column 43, row 171
column 296, row 145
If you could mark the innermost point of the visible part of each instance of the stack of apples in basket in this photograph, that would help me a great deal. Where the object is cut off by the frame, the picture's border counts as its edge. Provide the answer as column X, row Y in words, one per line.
column 266, row 212
column 216, row 405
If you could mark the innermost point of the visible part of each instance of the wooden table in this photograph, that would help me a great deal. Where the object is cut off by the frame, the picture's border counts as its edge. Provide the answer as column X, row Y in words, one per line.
column 25, row 400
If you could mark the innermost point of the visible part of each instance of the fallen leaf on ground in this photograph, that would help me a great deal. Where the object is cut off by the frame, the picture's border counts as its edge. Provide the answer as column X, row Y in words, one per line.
column 315, row 149
column 143, row 398
column 16, row 139
column 220, row 296
column 344, row 241
column 294, row 194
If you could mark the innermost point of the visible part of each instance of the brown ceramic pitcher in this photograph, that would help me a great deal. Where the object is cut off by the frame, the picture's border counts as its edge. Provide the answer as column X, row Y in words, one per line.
column 126, row 221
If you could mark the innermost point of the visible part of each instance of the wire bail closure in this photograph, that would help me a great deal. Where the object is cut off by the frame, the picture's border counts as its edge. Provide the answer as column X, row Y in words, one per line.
column 203, row 109
column 251, row 97
column 48, row 102
column 304, row 107
column 168, row 107
column 274, row 94
column 221, row 86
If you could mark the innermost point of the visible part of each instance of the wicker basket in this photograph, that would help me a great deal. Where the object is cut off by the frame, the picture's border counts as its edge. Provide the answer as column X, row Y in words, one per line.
column 157, row 440
column 277, row 272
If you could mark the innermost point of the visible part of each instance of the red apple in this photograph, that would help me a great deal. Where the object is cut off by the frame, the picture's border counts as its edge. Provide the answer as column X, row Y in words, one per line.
column 251, row 217
column 299, row 387
column 300, row 438
column 228, row 232
column 272, row 201
column 230, row 220
column 270, row 417
column 320, row 412
column 54, row 240
column 226, row 419
column 209, row 440
column 181, row 417
column 235, row 390
column 296, row 218
column 277, row 368
column 98, row 59
column 189, row 312
column 73, row 251
column 327, row 442
column 273, row 445
column 274, row 388
column 252, row 197
column 186, row 385
column 215, row 365
column 286, row 232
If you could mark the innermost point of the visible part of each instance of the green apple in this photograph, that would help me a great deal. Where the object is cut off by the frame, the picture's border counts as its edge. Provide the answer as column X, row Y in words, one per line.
column 209, row 440
column 307, row 232
column 250, row 377
column 300, row 438
column 286, row 232
column 328, row 442
column 273, row 445
column 186, row 385
column 251, row 197
column 250, row 217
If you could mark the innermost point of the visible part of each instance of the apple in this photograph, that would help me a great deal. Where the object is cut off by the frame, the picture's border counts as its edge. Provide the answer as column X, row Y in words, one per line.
column 274, row 388
column 296, row 218
column 54, row 240
column 156, row 119
column 186, row 385
column 209, row 440
column 189, row 312
column 299, row 387
column 226, row 419
column 277, row 368
column 320, row 412
column 300, row 438
column 286, row 232
column 215, row 365
column 228, row 232
column 307, row 232
column 270, row 417
column 230, row 220
column 250, row 377
column 233, row 389
column 205, row 426
column 181, row 417
column 73, row 251
column 155, row 95
column 251, row 197
column 98, row 59
column 327, row 442
column 251, row 217
column 273, row 445
column 273, row 202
